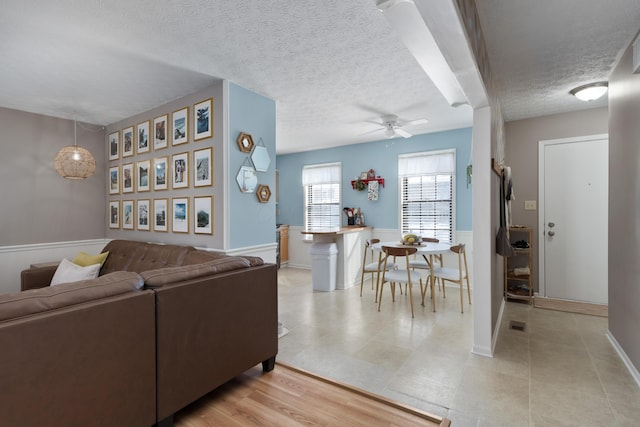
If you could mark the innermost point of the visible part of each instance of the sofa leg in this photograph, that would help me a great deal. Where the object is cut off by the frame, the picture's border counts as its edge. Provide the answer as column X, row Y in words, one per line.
column 269, row 364
column 167, row 422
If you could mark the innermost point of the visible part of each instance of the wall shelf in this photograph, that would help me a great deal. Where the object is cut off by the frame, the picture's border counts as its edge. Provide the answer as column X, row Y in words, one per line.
column 366, row 182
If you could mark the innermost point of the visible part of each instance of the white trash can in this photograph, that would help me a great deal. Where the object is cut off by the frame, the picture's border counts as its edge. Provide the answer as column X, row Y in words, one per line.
column 324, row 261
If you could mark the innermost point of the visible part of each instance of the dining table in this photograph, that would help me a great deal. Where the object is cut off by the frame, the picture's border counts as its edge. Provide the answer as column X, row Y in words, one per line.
column 427, row 249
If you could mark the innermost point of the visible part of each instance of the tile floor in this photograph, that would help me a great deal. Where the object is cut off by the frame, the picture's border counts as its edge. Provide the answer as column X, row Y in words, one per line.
column 561, row 371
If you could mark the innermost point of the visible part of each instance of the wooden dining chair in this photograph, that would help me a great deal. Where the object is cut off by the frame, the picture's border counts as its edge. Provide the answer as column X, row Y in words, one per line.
column 399, row 276
column 374, row 266
column 456, row 275
column 419, row 263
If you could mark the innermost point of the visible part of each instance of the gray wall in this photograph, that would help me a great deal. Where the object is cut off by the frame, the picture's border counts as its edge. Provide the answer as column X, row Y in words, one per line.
column 216, row 240
column 624, row 207
column 522, row 138
column 38, row 205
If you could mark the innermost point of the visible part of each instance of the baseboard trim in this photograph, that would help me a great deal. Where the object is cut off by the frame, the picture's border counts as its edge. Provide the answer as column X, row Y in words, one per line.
column 625, row 359
column 572, row 306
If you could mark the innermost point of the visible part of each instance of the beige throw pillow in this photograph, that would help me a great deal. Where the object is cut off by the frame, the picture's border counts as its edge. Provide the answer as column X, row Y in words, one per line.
column 70, row 272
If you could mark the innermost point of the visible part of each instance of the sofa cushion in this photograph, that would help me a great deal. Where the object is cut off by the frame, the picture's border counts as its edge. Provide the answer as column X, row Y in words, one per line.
column 19, row 304
column 165, row 276
column 129, row 255
column 84, row 259
column 70, row 272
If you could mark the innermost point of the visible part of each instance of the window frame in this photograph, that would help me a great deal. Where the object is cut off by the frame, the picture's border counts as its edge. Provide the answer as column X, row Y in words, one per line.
column 305, row 189
column 401, row 179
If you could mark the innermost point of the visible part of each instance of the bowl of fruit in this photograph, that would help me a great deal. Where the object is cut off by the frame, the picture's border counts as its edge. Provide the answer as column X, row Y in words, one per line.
column 411, row 239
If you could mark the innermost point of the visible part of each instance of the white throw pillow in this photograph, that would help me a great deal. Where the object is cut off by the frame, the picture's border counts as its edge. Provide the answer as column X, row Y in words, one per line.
column 70, row 272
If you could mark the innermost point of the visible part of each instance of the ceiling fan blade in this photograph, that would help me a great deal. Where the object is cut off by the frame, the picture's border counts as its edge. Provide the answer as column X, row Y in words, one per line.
column 371, row 131
column 416, row 122
column 403, row 133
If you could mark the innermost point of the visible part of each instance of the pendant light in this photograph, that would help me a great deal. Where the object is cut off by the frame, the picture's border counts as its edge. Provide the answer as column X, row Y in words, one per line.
column 73, row 162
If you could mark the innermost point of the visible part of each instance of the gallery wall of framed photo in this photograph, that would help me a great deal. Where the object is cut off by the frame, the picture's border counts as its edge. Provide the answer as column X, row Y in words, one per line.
column 161, row 174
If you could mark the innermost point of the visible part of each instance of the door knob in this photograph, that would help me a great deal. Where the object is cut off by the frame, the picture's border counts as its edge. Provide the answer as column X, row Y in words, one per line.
column 551, row 233
column 551, row 224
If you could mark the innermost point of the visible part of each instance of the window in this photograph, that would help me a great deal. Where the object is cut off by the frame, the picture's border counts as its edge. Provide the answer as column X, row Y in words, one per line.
column 427, row 183
column 322, row 195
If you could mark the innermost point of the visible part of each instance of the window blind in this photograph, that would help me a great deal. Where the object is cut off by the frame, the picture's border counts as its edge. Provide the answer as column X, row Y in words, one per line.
column 427, row 194
column 322, row 195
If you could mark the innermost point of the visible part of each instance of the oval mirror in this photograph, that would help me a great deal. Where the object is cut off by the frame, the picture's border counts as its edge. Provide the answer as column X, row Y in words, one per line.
column 247, row 179
column 260, row 158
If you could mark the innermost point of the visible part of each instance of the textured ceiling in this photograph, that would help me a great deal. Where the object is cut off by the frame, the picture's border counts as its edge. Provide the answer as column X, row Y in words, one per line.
column 540, row 50
column 333, row 66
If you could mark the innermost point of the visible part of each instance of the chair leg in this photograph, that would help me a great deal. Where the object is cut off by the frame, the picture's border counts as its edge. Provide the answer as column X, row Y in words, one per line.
column 423, row 291
column 380, row 297
column 433, row 300
column 461, row 303
column 410, row 297
column 468, row 290
column 361, row 281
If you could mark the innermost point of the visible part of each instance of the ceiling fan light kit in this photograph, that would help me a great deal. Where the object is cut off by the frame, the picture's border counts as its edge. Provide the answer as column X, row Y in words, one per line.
column 590, row 92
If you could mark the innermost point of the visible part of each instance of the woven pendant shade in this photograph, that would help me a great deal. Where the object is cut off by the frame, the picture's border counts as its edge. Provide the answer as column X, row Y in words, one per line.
column 73, row 162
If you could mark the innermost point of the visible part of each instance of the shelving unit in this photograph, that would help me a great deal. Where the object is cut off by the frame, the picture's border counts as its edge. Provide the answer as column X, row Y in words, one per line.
column 519, row 286
column 366, row 182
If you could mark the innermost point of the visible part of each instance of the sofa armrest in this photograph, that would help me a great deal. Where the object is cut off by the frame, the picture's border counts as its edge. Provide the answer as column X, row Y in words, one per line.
column 37, row 277
column 224, row 324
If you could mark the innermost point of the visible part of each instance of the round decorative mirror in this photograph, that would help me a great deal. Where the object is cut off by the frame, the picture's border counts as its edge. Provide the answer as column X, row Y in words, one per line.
column 260, row 158
column 247, row 179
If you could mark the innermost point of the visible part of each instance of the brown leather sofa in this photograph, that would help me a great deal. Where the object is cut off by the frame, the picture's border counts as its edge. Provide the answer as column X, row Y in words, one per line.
column 79, row 354
column 215, row 315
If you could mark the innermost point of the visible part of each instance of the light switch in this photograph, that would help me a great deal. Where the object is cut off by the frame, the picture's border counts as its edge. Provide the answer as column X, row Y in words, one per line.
column 529, row 205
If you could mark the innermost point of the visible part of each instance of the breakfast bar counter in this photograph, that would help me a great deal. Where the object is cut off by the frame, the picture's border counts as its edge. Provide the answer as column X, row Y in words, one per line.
column 336, row 255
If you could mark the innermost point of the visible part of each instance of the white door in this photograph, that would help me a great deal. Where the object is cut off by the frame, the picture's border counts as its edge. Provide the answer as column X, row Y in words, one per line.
column 573, row 220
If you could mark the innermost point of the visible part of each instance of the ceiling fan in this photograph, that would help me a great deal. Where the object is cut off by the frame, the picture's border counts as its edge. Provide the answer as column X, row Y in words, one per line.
column 393, row 127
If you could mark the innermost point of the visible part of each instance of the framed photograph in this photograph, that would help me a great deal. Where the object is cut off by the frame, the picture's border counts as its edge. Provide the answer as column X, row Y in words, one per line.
column 364, row 175
column 160, row 173
column 142, row 215
column 114, row 214
column 203, row 172
column 127, row 141
column 127, row 178
column 114, row 145
column 160, row 132
column 143, row 175
column 202, row 119
column 180, row 170
column 203, row 217
column 114, row 180
column 127, row 215
column 180, row 218
column 160, row 215
column 142, row 136
column 180, row 122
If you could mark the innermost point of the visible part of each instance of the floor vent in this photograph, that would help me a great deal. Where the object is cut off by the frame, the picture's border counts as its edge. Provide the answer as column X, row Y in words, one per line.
column 517, row 326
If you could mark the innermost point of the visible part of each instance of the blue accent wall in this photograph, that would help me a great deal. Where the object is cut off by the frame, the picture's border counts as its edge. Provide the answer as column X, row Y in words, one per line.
column 251, row 222
column 382, row 157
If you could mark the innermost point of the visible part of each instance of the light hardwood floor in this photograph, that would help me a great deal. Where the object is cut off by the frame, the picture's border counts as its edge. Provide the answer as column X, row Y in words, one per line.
column 291, row 397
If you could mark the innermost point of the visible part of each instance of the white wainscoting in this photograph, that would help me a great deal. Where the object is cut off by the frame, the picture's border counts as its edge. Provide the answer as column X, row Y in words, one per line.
column 14, row 259
column 267, row 252
column 300, row 256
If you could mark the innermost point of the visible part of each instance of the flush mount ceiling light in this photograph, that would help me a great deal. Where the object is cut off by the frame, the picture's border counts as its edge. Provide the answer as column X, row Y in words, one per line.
column 590, row 92
column 73, row 162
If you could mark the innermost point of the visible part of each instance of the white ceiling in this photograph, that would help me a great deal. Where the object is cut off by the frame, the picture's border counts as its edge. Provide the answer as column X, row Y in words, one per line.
column 333, row 66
